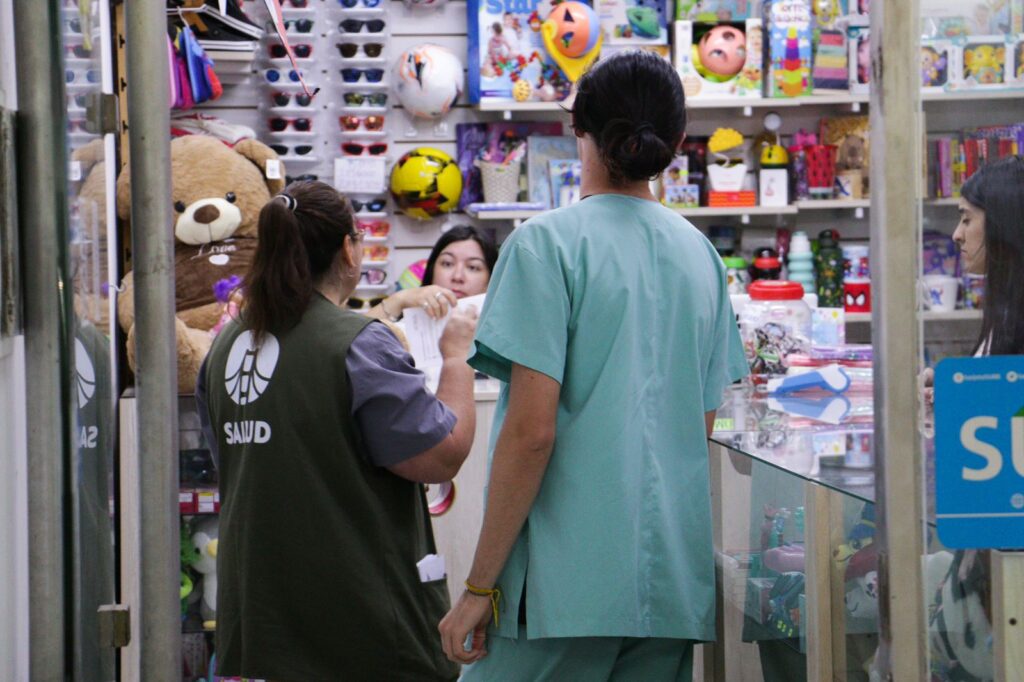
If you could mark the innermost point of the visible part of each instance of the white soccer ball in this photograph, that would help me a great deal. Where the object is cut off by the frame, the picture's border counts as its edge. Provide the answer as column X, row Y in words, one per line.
column 428, row 80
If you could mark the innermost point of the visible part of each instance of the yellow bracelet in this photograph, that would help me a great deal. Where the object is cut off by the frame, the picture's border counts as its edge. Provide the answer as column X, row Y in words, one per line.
column 493, row 594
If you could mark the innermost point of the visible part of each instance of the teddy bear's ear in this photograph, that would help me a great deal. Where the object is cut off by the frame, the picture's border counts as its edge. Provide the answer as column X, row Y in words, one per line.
column 259, row 154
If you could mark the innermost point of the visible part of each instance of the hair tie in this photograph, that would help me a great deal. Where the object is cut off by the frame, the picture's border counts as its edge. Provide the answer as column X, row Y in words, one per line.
column 289, row 201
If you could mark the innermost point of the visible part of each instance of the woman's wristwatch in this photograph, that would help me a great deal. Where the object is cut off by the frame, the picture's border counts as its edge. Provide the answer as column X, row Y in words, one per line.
column 389, row 316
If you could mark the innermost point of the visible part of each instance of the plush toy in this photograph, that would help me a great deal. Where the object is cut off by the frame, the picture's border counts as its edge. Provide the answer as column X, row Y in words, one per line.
column 205, row 540
column 217, row 193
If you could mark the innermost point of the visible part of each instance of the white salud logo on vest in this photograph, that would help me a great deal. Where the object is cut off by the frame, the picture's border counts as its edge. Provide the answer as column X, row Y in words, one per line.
column 85, row 375
column 249, row 368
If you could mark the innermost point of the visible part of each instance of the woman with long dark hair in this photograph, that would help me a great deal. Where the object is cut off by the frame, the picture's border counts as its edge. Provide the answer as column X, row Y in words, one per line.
column 459, row 265
column 611, row 323
column 324, row 433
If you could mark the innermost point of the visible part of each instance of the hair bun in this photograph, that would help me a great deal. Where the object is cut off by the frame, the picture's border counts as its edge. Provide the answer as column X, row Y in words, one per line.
column 634, row 150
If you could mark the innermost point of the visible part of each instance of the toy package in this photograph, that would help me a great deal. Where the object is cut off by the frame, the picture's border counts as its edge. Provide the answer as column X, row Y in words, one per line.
column 935, row 62
column 789, row 24
column 720, row 59
column 850, row 136
column 831, row 63
column 566, row 176
column 676, row 189
column 634, row 22
column 540, row 149
column 860, row 60
column 718, row 10
column 507, row 58
column 983, row 63
column 959, row 19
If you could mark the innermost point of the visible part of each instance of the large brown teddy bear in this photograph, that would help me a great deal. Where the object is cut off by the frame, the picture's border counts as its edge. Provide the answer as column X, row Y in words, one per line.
column 217, row 193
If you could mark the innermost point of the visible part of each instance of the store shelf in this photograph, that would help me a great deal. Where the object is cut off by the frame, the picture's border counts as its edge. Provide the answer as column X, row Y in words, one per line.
column 971, row 95
column 832, row 204
column 523, row 106
column 716, row 212
column 837, row 99
column 946, row 201
column 505, row 215
column 742, row 212
column 927, row 316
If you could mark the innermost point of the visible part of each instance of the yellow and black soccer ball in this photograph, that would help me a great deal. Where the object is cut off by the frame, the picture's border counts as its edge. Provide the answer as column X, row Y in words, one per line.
column 425, row 183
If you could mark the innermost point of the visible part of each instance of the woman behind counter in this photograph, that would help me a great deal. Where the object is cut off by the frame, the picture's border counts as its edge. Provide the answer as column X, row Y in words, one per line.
column 324, row 432
column 459, row 265
column 611, row 324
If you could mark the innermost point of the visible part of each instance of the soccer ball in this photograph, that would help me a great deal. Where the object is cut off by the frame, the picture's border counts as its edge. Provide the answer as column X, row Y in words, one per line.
column 425, row 183
column 428, row 79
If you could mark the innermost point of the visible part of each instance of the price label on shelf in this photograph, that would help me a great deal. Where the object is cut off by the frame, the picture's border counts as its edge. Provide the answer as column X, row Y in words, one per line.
column 360, row 174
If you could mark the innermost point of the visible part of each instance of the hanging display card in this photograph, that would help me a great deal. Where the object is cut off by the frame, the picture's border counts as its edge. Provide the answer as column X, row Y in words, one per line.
column 360, row 174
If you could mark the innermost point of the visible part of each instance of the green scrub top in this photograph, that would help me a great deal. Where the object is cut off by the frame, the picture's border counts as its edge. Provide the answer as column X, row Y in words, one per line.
column 624, row 303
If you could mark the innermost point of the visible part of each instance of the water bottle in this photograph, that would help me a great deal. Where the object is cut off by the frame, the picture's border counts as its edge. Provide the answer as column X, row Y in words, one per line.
column 801, row 261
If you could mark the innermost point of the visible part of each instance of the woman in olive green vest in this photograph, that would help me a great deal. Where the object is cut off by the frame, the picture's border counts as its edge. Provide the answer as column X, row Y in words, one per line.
column 324, row 433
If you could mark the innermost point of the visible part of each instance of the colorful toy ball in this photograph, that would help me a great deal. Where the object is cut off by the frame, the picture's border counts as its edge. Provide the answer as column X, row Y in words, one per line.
column 577, row 28
column 425, row 183
column 723, row 51
column 428, row 80
column 522, row 90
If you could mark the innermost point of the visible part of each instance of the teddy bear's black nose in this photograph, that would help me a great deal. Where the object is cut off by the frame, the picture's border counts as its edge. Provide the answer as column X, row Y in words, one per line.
column 206, row 214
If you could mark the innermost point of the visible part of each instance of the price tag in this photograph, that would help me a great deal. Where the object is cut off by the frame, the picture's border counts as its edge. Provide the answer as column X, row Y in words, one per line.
column 273, row 169
column 75, row 172
column 359, row 174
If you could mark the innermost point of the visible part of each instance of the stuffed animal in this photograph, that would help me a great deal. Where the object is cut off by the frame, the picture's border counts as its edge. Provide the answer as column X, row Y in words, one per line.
column 205, row 540
column 217, row 193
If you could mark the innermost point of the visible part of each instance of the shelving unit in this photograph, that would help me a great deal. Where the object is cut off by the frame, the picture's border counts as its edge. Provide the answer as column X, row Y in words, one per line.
column 925, row 316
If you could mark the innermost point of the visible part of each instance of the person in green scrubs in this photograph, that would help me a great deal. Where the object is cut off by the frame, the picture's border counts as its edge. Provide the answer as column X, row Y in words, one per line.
column 610, row 323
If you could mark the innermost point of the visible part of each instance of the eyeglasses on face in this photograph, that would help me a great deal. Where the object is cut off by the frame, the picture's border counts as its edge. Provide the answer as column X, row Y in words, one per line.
column 305, row 177
column 376, row 99
column 350, row 50
column 357, row 303
column 356, row 25
column 374, row 228
column 302, row 51
column 274, row 75
column 353, row 75
column 283, row 99
column 298, row 150
column 279, row 124
column 92, row 76
column 373, row 205
column 357, row 149
column 376, row 252
column 373, row 276
column 352, row 123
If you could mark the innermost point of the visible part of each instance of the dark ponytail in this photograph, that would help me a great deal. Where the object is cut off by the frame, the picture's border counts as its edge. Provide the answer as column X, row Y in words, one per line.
column 633, row 106
column 300, row 232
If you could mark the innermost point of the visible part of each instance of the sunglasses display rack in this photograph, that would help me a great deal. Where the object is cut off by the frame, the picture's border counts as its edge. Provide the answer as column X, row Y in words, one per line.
column 294, row 123
column 82, row 71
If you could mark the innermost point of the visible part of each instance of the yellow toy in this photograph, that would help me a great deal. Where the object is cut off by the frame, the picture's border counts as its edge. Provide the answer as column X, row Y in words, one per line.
column 984, row 63
column 572, row 36
column 522, row 90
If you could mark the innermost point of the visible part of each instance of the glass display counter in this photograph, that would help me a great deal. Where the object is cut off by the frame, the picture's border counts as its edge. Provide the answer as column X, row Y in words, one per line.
column 794, row 528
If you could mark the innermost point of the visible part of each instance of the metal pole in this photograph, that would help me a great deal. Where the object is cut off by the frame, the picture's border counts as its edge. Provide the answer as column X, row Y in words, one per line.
column 156, row 374
column 895, row 227
column 42, row 180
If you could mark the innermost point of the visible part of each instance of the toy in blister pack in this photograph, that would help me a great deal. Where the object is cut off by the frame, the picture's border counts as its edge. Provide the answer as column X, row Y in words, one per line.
column 935, row 57
column 719, row 59
column 717, row 10
column 790, row 25
column 984, row 63
column 634, row 22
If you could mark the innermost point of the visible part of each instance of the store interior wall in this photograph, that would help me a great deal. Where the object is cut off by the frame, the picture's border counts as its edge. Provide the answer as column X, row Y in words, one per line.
column 13, row 448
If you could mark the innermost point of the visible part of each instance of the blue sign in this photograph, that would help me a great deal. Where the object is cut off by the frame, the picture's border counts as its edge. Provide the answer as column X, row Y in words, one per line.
column 979, row 452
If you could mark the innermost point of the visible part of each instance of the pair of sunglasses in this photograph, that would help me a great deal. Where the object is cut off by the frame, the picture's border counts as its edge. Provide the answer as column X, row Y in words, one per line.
column 302, row 51
column 356, row 303
column 298, row 150
column 305, row 177
column 356, row 25
column 283, row 99
column 349, row 4
column 352, row 123
column 293, row 26
column 280, row 124
column 350, row 50
column 373, row 276
column 78, row 51
column 357, row 149
column 372, row 206
column 275, row 75
column 297, row 3
column 92, row 76
column 75, row 25
column 376, row 252
column 376, row 99
column 353, row 75
column 373, row 228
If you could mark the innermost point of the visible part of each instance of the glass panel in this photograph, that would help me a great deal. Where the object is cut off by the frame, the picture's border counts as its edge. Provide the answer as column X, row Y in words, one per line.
column 91, row 241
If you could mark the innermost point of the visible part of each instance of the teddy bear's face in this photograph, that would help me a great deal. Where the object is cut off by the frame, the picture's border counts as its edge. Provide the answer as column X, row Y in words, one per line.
column 217, row 192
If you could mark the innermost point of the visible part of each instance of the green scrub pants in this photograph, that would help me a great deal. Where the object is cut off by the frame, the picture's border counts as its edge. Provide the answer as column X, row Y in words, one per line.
column 583, row 659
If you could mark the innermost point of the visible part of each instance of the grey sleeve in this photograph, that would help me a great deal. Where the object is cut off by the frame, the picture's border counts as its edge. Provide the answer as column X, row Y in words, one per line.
column 397, row 416
column 202, row 406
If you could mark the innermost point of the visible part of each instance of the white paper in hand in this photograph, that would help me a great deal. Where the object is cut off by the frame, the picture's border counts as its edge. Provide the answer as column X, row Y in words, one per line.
column 424, row 334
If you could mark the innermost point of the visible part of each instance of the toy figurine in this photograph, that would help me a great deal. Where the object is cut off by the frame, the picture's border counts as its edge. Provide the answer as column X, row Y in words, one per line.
column 204, row 540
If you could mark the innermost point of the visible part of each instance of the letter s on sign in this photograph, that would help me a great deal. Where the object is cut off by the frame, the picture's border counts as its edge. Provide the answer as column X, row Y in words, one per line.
column 970, row 441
